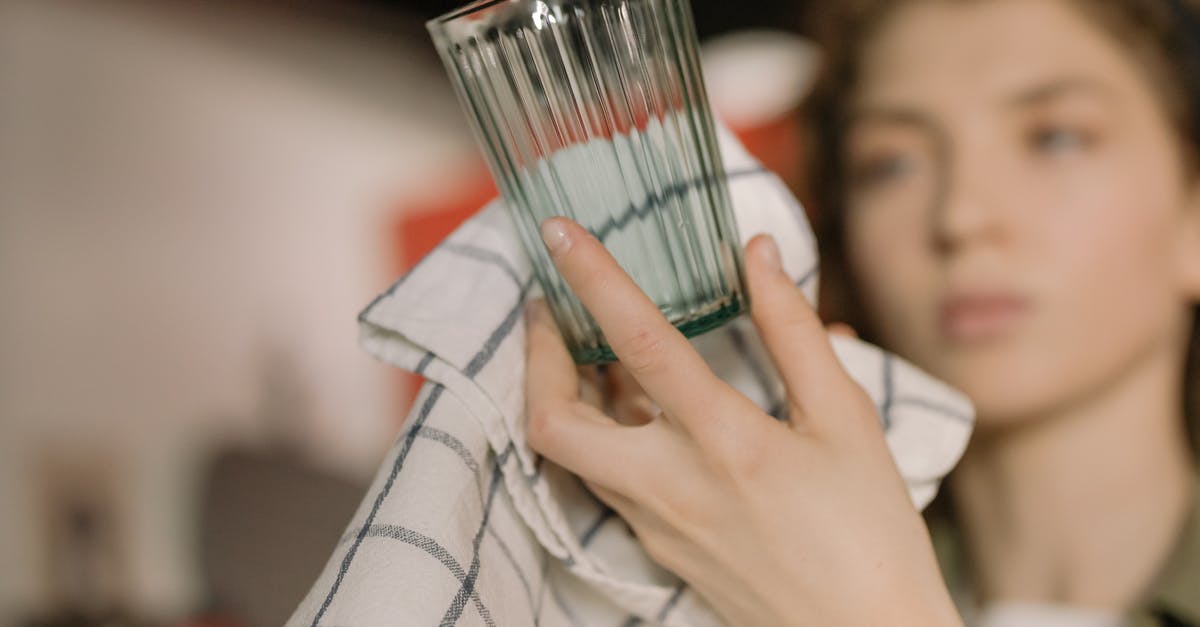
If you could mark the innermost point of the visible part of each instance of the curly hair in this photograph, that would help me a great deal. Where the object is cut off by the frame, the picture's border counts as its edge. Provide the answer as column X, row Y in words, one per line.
column 1162, row 35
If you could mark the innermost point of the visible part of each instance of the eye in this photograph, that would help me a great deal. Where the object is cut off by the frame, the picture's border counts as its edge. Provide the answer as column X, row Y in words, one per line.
column 1053, row 140
column 881, row 169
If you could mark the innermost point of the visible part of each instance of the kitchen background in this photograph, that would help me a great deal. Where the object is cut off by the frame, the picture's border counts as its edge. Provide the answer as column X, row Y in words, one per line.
column 196, row 199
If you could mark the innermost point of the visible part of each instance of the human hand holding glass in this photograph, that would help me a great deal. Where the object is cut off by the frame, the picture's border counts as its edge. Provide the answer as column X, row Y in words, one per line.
column 799, row 523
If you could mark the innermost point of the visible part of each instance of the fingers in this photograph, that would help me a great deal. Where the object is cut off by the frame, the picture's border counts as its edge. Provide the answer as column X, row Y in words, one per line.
column 790, row 328
column 622, row 505
column 649, row 347
column 630, row 404
column 550, row 375
column 615, row 393
column 841, row 329
column 592, row 386
column 587, row 443
column 561, row 426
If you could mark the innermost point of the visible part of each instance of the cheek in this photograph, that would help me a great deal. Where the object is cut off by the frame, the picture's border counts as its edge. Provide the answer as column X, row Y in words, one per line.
column 1108, row 231
column 1110, row 266
column 893, row 271
column 1097, row 257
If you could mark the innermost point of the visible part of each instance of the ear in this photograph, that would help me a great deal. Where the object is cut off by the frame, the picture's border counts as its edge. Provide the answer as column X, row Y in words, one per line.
column 1188, row 243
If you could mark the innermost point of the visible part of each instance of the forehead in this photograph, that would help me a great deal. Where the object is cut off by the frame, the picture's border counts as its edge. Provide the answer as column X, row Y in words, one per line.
column 941, row 53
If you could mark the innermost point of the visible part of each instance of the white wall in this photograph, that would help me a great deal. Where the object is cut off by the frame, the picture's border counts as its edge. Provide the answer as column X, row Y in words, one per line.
column 177, row 205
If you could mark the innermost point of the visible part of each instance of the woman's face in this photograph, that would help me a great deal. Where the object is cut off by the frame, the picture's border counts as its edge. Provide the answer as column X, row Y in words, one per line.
column 1019, row 221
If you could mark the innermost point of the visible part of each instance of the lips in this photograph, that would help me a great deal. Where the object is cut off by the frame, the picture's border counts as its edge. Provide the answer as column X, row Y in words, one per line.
column 980, row 315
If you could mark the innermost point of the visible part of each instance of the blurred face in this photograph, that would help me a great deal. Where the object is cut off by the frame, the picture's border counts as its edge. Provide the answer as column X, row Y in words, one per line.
column 1019, row 221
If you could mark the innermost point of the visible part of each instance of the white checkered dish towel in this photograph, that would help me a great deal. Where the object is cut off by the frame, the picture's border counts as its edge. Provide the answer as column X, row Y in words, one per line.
column 464, row 525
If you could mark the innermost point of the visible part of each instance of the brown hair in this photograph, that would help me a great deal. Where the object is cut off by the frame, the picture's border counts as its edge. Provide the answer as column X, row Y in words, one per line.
column 1163, row 35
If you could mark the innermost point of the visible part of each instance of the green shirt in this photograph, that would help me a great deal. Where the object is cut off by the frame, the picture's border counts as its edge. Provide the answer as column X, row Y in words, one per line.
column 1173, row 599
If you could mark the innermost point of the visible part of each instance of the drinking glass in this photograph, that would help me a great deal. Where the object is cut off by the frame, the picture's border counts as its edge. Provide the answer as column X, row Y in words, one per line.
column 596, row 110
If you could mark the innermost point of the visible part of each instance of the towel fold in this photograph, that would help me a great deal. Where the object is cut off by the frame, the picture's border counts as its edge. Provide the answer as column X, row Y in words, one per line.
column 464, row 524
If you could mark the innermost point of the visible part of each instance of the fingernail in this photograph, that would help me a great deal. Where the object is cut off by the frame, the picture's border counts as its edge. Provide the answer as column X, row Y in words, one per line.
column 769, row 254
column 554, row 234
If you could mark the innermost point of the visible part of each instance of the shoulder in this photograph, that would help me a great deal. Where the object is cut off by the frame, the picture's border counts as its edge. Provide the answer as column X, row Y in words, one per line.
column 1175, row 594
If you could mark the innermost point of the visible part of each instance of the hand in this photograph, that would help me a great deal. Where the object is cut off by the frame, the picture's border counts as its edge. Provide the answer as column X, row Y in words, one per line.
column 614, row 391
column 800, row 523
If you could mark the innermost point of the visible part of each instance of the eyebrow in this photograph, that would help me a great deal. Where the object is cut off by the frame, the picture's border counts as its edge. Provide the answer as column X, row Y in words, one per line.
column 1056, row 88
column 898, row 116
column 1039, row 93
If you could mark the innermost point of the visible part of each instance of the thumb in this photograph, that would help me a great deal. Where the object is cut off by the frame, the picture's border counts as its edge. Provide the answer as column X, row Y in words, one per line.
column 789, row 326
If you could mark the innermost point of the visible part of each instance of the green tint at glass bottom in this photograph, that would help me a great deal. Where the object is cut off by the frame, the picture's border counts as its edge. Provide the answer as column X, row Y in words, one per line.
column 689, row 328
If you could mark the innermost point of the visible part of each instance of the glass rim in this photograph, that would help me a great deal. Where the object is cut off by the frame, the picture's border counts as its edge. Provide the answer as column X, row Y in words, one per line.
column 469, row 9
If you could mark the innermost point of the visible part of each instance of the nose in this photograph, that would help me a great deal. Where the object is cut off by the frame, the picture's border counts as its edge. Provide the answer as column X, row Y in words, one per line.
column 966, row 209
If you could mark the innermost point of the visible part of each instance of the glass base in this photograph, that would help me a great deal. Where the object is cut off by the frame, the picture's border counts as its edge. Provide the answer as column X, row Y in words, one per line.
column 689, row 328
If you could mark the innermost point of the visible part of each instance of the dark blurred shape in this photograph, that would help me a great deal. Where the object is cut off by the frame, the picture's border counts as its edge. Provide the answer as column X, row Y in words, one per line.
column 713, row 17
column 258, row 561
column 88, row 575
column 71, row 618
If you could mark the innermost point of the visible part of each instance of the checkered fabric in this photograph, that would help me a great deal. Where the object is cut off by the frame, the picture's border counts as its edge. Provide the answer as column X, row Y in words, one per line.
column 465, row 525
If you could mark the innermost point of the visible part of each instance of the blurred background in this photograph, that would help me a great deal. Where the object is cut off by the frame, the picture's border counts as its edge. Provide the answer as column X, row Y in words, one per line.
column 196, row 199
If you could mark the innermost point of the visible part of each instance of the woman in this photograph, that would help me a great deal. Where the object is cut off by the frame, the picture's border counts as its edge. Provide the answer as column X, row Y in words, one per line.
column 1013, row 203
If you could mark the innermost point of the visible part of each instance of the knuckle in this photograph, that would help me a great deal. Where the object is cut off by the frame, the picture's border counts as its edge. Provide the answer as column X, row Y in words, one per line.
column 746, row 459
column 687, row 510
column 740, row 450
column 642, row 352
column 539, row 432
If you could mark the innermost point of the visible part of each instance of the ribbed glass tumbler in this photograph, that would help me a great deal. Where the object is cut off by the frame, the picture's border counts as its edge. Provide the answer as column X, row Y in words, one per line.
column 596, row 110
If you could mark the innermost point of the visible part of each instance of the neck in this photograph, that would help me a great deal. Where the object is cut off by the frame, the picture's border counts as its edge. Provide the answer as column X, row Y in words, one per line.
column 1083, row 505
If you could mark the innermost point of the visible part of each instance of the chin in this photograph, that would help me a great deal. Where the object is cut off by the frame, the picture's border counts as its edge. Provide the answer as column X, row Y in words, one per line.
column 1007, row 387
column 1000, row 411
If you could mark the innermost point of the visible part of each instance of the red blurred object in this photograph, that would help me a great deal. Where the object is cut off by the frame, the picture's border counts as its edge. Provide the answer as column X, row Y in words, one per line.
column 776, row 144
column 419, row 228
column 757, row 80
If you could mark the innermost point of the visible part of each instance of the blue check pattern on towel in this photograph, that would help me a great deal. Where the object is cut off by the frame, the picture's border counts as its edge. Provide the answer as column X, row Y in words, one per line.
column 464, row 525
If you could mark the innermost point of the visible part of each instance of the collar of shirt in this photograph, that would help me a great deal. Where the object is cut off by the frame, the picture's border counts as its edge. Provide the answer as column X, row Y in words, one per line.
column 1176, row 592
column 1173, row 599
